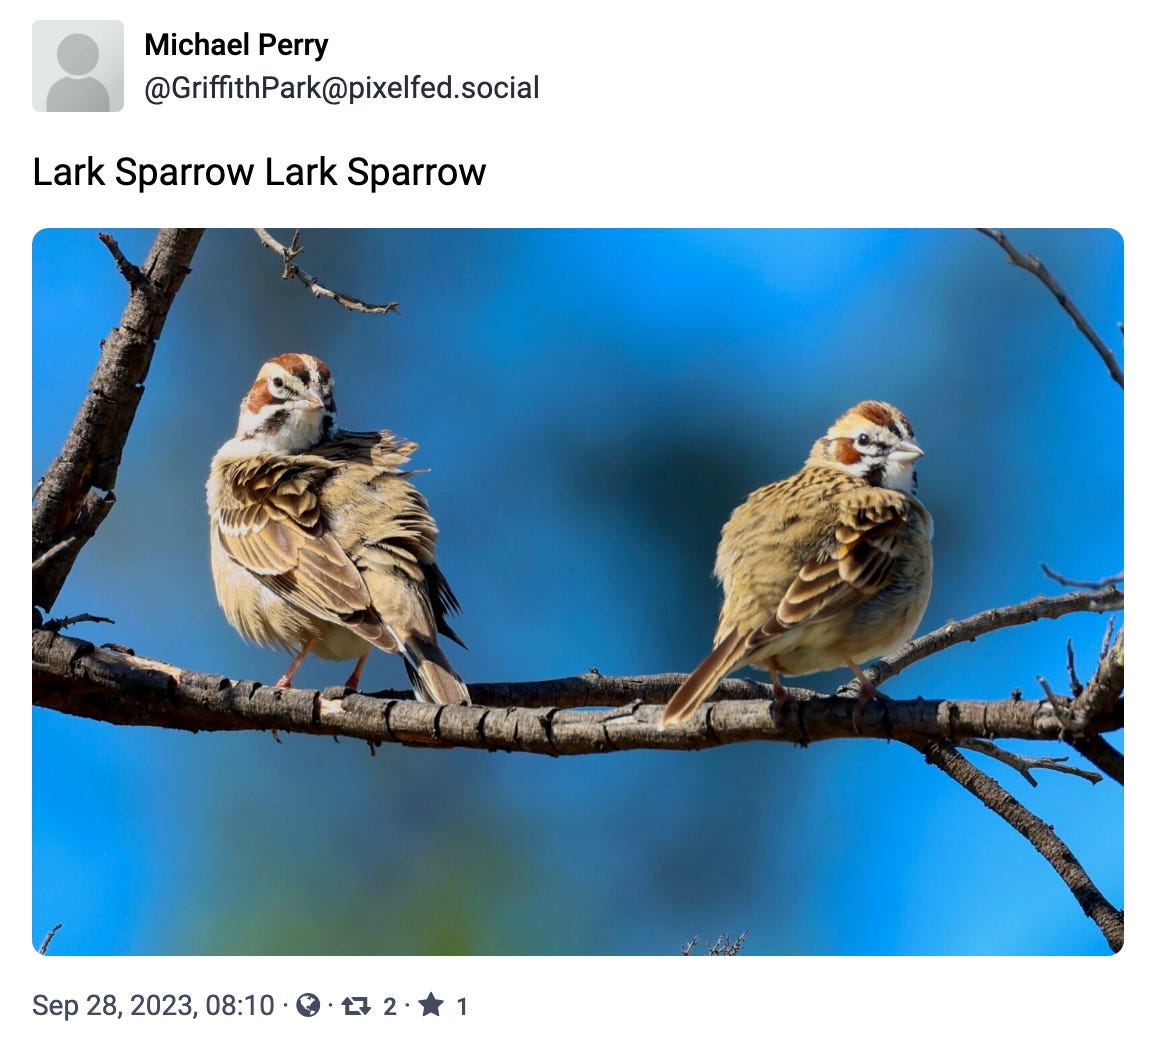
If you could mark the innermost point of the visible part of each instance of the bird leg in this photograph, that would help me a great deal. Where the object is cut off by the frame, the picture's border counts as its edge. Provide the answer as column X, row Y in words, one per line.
column 285, row 680
column 867, row 692
column 779, row 692
column 353, row 682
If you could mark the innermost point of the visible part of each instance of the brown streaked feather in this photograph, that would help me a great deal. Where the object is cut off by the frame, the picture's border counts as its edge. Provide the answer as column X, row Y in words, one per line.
column 432, row 676
column 273, row 527
column 868, row 530
column 371, row 448
column 705, row 678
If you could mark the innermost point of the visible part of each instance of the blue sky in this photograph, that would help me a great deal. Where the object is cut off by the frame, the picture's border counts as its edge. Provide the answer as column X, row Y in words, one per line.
column 591, row 404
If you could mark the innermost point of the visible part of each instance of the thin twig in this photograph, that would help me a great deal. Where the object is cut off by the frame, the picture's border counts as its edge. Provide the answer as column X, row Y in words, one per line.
column 291, row 270
column 974, row 626
column 1063, row 712
column 128, row 270
column 49, row 937
column 1044, row 839
column 1074, row 684
column 1111, row 580
column 1037, row 268
column 1106, row 643
column 1024, row 765
column 726, row 946
column 45, row 557
column 56, row 625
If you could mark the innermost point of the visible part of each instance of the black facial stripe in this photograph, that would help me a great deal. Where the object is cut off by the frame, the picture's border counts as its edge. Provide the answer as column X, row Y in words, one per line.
column 875, row 475
column 274, row 421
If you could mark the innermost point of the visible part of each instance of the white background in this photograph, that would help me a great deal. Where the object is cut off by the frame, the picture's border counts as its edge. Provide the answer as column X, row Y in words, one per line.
column 719, row 114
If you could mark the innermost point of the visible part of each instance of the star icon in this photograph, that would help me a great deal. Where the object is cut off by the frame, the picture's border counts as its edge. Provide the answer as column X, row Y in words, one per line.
column 430, row 1004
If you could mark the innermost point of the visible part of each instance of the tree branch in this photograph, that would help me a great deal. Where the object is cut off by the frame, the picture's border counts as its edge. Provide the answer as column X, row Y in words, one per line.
column 952, row 633
column 73, row 676
column 1105, row 687
column 1024, row 765
column 1037, row 268
column 49, row 937
column 1101, row 753
column 1043, row 838
column 291, row 270
column 75, row 494
column 1111, row 580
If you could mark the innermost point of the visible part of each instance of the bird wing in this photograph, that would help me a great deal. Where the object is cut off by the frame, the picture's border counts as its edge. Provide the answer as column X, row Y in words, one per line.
column 400, row 541
column 863, row 550
column 371, row 448
column 270, row 522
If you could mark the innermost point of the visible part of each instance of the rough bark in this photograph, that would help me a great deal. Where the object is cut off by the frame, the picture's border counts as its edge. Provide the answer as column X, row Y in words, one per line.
column 76, row 493
column 73, row 676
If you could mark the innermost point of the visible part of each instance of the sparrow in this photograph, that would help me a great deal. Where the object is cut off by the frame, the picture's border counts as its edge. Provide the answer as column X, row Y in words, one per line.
column 319, row 542
column 829, row 567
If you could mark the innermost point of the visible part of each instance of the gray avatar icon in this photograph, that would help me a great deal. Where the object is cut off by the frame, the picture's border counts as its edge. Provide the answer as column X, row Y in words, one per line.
column 78, row 54
column 77, row 66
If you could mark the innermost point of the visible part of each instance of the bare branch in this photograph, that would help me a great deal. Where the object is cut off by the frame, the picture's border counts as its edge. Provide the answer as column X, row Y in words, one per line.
column 1101, row 753
column 75, row 493
column 56, row 625
column 291, row 270
column 726, row 946
column 723, row 946
column 128, row 270
column 1062, row 709
column 1111, row 580
column 1106, row 643
column 1024, row 765
column 65, row 543
column 73, row 676
column 49, row 937
column 1074, row 684
column 1108, row 919
column 1037, row 268
column 1106, row 685
column 974, row 626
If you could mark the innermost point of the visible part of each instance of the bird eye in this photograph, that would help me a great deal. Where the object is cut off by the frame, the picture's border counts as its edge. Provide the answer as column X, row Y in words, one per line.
column 863, row 440
column 277, row 382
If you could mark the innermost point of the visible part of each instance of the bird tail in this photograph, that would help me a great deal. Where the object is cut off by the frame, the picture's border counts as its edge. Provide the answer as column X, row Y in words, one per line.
column 432, row 676
column 704, row 679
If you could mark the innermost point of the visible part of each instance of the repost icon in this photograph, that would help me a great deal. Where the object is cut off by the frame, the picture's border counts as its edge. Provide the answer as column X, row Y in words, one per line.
column 77, row 66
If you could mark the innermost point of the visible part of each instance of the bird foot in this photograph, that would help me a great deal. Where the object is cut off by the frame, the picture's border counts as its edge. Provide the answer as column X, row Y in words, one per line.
column 353, row 682
column 867, row 691
column 780, row 699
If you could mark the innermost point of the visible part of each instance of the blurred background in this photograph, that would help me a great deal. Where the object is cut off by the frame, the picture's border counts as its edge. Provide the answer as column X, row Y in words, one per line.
column 591, row 404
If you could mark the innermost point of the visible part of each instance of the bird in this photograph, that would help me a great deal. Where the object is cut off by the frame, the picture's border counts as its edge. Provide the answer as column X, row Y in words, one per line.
column 319, row 542
column 827, row 568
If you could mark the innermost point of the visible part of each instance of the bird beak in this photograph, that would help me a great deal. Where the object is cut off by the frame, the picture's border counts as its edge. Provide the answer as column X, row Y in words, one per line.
column 906, row 451
column 310, row 401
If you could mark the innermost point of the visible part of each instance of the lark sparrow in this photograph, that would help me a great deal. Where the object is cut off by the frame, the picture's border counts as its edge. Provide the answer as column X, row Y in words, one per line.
column 319, row 542
column 829, row 567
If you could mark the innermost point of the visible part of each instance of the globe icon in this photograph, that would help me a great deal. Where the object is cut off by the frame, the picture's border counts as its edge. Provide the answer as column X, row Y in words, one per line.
column 308, row 1004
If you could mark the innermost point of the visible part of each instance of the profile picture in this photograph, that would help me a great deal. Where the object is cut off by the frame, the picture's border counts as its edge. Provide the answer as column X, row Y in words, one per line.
column 77, row 66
